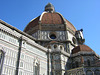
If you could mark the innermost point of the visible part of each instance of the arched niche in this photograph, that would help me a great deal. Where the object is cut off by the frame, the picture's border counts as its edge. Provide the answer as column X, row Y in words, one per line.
column 36, row 67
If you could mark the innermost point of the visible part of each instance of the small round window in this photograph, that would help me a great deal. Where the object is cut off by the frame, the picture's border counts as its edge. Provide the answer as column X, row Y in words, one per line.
column 53, row 36
column 61, row 47
column 55, row 46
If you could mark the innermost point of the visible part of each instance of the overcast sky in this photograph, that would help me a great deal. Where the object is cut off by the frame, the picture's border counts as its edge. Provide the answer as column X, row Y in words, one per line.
column 81, row 13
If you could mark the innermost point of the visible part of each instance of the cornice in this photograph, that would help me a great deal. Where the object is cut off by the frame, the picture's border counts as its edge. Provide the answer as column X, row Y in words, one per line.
column 14, row 31
column 17, row 33
column 83, row 53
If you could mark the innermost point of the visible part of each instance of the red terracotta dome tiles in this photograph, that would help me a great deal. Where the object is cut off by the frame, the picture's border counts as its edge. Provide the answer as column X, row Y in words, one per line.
column 81, row 48
column 31, row 24
column 51, row 18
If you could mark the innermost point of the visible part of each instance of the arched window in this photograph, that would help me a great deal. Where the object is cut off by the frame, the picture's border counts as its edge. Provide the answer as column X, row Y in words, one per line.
column 88, row 62
column 74, row 40
column 68, row 48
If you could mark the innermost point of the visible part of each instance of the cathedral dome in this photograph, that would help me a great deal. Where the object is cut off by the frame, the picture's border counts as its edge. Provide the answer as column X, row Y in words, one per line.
column 49, row 17
column 83, row 48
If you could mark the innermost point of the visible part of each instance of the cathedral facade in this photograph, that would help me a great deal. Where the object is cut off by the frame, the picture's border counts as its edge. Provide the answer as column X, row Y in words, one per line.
column 49, row 45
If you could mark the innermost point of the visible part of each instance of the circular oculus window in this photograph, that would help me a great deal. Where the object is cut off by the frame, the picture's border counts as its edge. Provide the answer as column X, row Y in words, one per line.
column 53, row 36
column 55, row 46
column 61, row 47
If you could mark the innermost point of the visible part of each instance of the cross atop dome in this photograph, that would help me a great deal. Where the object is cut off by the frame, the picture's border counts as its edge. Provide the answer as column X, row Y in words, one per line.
column 49, row 8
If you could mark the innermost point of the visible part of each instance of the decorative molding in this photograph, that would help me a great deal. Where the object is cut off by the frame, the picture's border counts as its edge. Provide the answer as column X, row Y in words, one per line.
column 10, row 29
column 17, row 33
column 83, row 53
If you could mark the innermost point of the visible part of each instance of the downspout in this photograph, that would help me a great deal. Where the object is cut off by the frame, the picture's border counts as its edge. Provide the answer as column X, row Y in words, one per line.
column 48, row 62
column 18, row 57
column 2, row 62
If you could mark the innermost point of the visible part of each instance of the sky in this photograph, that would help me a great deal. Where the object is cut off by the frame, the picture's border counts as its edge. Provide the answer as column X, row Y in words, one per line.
column 83, row 14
